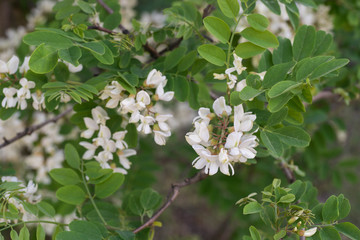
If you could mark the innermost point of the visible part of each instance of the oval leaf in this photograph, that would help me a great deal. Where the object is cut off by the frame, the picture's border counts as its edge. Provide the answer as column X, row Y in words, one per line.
column 263, row 39
column 212, row 54
column 71, row 194
column 218, row 28
column 43, row 59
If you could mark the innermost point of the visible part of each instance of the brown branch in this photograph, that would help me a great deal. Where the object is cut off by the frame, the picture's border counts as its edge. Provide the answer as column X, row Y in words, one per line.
column 289, row 174
column 105, row 6
column 173, row 193
column 208, row 10
column 101, row 29
column 31, row 129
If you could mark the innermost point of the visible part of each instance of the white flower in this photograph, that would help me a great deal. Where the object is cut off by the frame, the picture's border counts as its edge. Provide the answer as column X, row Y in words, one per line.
column 64, row 98
column 237, row 64
column 25, row 66
column 200, row 135
column 220, row 76
column 11, row 66
column 164, row 96
column 220, row 107
column 154, row 78
column 205, row 159
column 112, row 91
column 103, row 135
column 30, row 190
column 99, row 115
column 91, row 148
column 142, row 100
column 119, row 140
column 232, row 77
column 241, row 85
column 144, row 126
column 243, row 121
column 25, row 90
column 103, row 157
column 91, row 128
column 246, row 147
column 232, row 143
column 9, row 100
column 38, row 101
column 203, row 115
column 74, row 69
column 123, row 157
column 160, row 137
column 161, row 119
column 224, row 162
column 310, row 232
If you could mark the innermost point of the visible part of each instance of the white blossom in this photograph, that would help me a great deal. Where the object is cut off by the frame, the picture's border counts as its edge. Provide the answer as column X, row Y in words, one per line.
column 90, row 152
column 205, row 160
column 160, row 137
column 154, row 78
column 11, row 66
column 144, row 126
column 123, row 157
column 99, row 115
column 243, row 121
column 9, row 100
column 220, row 107
column 119, row 140
column 142, row 100
column 164, row 96
column 25, row 66
column 310, row 232
column 38, row 101
column 224, row 162
column 91, row 125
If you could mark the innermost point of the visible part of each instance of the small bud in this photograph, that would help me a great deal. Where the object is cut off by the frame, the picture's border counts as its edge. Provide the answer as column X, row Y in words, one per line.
column 210, row 128
column 231, row 129
column 156, row 127
column 211, row 116
column 301, row 233
column 155, row 97
column 213, row 142
column 298, row 224
column 310, row 232
column 292, row 220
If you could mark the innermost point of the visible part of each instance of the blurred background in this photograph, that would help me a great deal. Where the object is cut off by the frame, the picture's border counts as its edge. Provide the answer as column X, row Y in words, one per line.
column 207, row 210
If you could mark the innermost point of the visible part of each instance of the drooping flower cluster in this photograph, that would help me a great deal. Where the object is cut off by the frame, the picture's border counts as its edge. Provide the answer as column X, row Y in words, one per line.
column 222, row 138
column 139, row 108
column 109, row 143
column 17, row 193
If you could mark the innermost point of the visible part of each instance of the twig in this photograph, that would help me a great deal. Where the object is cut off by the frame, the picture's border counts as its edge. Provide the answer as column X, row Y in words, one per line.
column 289, row 174
column 105, row 6
column 208, row 10
column 31, row 129
column 96, row 27
column 173, row 193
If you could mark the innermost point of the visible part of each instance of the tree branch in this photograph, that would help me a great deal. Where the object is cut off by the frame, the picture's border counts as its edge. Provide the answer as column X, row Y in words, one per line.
column 289, row 174
column 173, row 193
column 101, row 29
column 105, row 6
column 31, row 129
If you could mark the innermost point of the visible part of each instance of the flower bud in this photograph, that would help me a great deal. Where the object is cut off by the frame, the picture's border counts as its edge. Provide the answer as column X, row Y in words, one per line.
column 210, row 128
column 292, row 220
column 301, row 233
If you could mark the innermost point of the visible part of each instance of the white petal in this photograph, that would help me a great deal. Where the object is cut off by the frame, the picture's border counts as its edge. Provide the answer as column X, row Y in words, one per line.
column 13, row 64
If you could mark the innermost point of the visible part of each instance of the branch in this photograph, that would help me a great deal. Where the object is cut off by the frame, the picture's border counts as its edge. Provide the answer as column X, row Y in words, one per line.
column 173, row 193
column 101, row 29
column 289, row 174
column 208, row 10
column 105, row 6
column 31, row 129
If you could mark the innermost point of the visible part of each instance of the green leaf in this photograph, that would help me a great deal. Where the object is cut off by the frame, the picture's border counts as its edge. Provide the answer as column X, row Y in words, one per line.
column 282, row 87
column 344, row 207
column 89, row 229
column 248, row 93
column 280, row 235
column 71, row 194
column 330, row 211
column 40, row 233
column 293, row 16
column 71, row 156
column 309, row 3
column 252, row 207
column 277, row 103
column 131, row 138
column 43, row 59
column 235, row 98
column 107, row 58
column 229, row 8
column 293, row 136
column 24, row 233
column 273, row 5
column 187, row 61
column 71, row 235
column 247, row 50
column 283, row 53
column 323, row 41
column 272, row 143
column 328, row 67
column 174, row 58
column 349, row 230
column 255, row 235
column 71, row 55
column 94, row 47
column 108, row 187
column 263, row 39
column 294, row 117
column 46, row 209
column 304, row 42
column 149, row 199
column 218, row 28
column 288, row 198
column 258, row 21
column 50, row 39
column 85, row 7
column 65, row 176
column 329, row 233
column 308, row 65
column 181, row 88
column 212, row 54
column 277, row 117
column 265, row 61
column 277, row 73
column 112, row 21
column 14, row 235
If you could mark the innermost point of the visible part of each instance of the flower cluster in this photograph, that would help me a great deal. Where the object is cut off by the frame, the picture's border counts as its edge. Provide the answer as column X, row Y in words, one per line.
column 109, row 143
column 18, row 193
column 238, row 67
column 139, row 108
column 222, row 138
